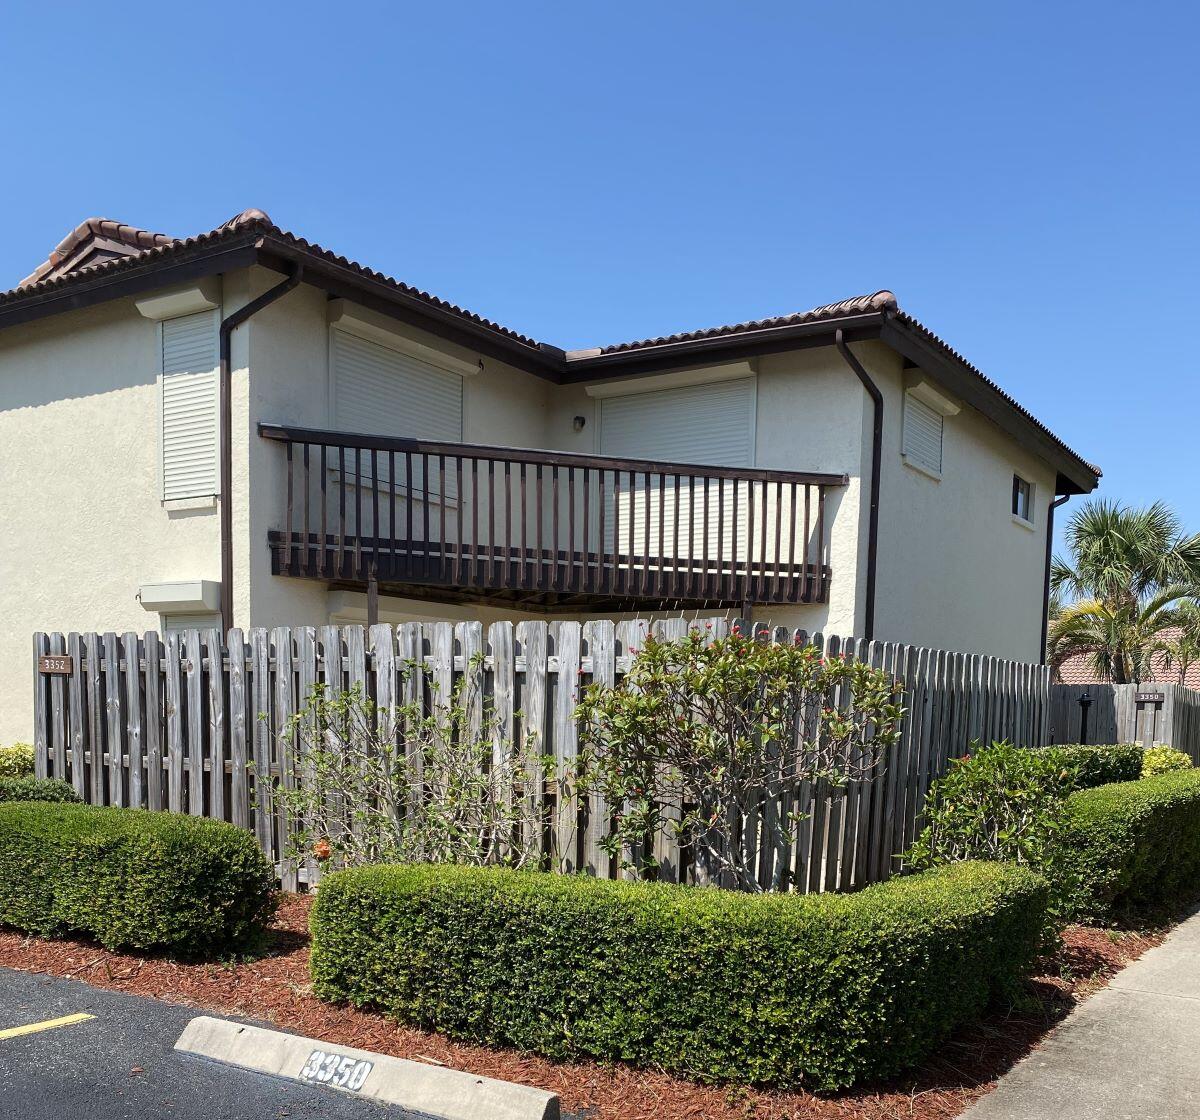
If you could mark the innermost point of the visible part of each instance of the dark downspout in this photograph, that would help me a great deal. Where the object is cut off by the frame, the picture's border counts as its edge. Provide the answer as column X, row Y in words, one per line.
column 1049, row 560
column 228, row 326
column 876, row 467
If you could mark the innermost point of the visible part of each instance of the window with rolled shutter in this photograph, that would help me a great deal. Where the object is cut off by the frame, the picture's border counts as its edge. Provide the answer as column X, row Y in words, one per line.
column 383, row 392
column 922, row 434
column 711, row 425
column 189, row 406
column 378, row 391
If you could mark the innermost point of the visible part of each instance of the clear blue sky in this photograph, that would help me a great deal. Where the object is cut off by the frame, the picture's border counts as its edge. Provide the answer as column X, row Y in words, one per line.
column 1024, row 176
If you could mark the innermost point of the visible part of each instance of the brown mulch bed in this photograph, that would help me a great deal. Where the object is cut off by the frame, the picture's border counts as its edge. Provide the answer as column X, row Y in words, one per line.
column 276, row 988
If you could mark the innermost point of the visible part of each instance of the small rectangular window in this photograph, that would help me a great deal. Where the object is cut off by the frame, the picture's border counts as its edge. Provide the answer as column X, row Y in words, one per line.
column 922, row 435
column 1022, row 499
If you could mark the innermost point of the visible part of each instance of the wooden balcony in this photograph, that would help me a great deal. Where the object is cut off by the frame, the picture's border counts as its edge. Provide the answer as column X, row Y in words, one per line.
column 454, row 521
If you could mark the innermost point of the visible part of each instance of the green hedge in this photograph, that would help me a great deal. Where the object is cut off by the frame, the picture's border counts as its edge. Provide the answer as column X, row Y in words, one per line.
column 823, row 990
column 1132, row 848
column 36, row 789
column 132, row 879
column 1100, row 764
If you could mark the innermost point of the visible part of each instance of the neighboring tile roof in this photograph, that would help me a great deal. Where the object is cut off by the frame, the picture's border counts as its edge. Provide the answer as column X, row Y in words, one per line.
column 1078, row 669
column 119, row 246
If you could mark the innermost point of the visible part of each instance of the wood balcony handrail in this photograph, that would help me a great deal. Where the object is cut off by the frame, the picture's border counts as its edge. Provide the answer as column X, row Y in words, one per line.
column 321, row 437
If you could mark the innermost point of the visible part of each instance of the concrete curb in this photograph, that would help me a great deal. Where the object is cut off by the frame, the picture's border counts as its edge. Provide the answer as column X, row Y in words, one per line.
column 447, row 1094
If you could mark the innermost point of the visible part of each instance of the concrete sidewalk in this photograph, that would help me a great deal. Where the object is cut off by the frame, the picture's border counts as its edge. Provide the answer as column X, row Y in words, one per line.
column 1131, row 1052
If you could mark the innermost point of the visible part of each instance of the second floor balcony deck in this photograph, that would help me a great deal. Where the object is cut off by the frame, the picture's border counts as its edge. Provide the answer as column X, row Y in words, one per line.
column 549, row 529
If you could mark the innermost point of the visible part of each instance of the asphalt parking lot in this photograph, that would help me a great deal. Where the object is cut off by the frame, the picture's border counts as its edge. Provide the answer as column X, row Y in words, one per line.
column 118, row 1063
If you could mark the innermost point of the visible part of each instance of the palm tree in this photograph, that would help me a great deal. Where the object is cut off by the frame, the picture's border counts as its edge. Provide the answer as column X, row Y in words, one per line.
column 1131, row 573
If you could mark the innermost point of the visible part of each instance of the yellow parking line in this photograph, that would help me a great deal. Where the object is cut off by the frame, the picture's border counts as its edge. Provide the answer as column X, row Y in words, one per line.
column 47, row 1025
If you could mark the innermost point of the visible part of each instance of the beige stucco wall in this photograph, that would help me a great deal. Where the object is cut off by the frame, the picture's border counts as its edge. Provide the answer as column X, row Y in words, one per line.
column 85, row 526
column 955, row 570
column 83, row 523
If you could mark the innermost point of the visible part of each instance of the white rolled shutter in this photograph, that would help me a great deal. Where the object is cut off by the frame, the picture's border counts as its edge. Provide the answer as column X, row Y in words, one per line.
column 189, row 406
column 707, row 424
column 378, row 391
column 710, row 424
column 922, row 434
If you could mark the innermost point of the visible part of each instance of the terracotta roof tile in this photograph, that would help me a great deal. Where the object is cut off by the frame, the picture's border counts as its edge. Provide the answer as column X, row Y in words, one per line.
column 856, row 305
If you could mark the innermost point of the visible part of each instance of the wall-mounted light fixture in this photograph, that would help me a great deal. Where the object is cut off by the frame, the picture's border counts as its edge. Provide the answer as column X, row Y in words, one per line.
column 578, row 423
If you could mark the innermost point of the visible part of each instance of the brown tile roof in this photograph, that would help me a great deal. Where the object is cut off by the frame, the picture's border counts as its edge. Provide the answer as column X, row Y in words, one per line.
column 128, row 247
column 856, row 305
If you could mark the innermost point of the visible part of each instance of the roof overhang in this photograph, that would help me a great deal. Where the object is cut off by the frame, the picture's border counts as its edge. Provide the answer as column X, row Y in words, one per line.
column 340, row 278
column 1074, row 476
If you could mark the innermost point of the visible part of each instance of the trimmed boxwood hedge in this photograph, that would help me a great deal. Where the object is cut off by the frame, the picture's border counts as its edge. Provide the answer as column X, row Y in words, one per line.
column 1100, row 764
column 36, row 789
column 131, row 878
column 1132, row 848
column 822, row 990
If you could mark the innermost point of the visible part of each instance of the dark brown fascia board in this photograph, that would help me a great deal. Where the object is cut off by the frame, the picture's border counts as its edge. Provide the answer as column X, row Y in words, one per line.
column 205, row 260
column 1074, row 476
column 730, row 347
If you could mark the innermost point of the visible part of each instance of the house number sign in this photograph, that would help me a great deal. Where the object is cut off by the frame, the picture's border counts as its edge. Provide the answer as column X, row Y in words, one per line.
column 1150, row 697
column 340, row 1071
column 56, row 665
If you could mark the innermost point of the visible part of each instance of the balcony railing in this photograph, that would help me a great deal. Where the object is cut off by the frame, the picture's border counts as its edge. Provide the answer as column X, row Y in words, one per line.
column 545, row 526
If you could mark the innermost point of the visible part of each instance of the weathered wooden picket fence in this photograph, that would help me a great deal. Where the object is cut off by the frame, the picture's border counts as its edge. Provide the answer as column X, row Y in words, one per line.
column 1147, row 713
column 194, row 723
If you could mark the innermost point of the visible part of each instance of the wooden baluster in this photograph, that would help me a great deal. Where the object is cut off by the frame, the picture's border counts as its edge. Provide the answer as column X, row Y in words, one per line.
column 660, row 554
column 358, row 522
column 304, row 566
column 460, row 543
column 443, row 499
column 601, row 583
column 644, row 581
column 793, row 585
column 750, row 499
column 555, row 540
column 540, row 570
column 523, row 573
column 426, row 543
column 286, row 566
column 587, row 492
column 571, row 528
column 691, row 568
column 474, row 579
column 376, row 535
column 341, row 510
column 808, row 544
column 763, row 596
column 722, row 590
column 618, row 574
column 492, row 517
column 409, row 497
column 323, row 552
column 392, row 539
column 739, row 587
column 821, row 543
column 705, row 574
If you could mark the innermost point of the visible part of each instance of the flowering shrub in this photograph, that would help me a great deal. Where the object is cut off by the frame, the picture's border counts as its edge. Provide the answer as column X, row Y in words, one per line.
column 368, row 784
column 702, row 733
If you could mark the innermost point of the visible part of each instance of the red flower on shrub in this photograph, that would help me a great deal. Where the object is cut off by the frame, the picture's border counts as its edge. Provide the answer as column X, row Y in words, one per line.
column 322, row 849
